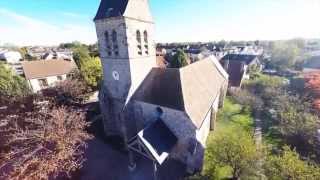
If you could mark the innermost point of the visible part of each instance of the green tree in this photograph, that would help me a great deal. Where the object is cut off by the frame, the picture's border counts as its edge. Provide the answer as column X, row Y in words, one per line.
column 11, row 85
column 289, row 166
column 284, row 55
column 91, row 71
column 80, row 55
column 234, row 149
column 179, row 60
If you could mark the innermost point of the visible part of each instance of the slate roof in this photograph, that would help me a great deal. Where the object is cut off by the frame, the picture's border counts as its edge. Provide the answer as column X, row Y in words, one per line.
column 248, row 59
column 191, row 89
column 111, row 8
column 159, row 140
column 46, row 68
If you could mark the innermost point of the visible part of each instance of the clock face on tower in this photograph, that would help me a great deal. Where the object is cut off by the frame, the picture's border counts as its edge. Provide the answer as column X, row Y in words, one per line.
column 115, row 75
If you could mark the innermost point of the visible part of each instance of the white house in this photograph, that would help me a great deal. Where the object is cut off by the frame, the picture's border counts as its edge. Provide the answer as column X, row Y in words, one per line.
column 43, row 74
column 11, row 57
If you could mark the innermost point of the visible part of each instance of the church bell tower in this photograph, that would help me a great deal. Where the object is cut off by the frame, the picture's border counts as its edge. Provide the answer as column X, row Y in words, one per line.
column 125, row 32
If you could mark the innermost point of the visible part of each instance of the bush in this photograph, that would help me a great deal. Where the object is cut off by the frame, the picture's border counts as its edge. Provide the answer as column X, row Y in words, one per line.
column 288, row 165
column 234, row 149
column 11, row 86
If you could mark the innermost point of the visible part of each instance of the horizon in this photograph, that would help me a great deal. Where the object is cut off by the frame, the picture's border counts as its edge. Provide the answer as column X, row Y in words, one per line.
column 48, row 23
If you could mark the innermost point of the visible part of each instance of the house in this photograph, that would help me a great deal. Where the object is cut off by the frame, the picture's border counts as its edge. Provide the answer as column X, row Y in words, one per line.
column 43, row 74
column 12, row 58
column 238, row 66
column 160, row 113
column 312, row 64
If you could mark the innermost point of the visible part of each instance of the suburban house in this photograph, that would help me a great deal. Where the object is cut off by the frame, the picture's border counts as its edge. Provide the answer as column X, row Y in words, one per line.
column 312, row 64
column 160, row 113
column 13, row 59
column 238, row 66
column 43, row 74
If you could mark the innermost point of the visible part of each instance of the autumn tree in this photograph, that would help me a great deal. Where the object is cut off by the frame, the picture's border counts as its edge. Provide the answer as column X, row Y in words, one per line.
column 70, row 91
column 46, row 143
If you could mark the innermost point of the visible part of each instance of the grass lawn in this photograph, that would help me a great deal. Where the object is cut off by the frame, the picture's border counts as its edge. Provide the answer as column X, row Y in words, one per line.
column 231, row 115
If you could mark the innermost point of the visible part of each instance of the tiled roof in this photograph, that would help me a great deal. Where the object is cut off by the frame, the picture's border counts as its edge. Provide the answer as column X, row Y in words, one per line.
column 46, row 68
column 191, row 89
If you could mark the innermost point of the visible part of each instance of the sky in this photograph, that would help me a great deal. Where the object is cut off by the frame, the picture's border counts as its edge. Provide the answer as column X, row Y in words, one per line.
column 50, row 22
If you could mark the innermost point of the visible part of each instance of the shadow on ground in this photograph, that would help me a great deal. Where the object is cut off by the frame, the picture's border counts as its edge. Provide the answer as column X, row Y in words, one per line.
column 106, row 160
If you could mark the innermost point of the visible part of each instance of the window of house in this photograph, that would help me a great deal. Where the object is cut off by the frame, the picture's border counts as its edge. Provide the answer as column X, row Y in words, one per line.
column 59, row 78
column 43, row 83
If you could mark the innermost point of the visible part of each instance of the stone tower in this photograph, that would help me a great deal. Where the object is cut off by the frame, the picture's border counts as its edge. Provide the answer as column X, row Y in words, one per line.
column 125, row 32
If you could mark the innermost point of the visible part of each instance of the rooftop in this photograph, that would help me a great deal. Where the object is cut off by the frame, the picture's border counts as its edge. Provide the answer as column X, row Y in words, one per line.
column 191, row 89
column 47, row 68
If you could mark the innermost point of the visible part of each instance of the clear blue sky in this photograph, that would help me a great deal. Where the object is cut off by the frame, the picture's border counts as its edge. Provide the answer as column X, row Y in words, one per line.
column 25, row 22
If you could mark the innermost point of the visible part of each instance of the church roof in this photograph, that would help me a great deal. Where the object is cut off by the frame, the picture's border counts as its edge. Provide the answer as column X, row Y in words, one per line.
column 191, row 89
column 111, row 8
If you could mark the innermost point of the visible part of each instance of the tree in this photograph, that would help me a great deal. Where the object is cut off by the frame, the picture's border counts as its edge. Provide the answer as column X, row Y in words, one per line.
column 235, row 149
column 69, row 91
column 91, row 71
column 289, row 166
column 11, row 86
column 179, row 60
column 46, row 143
column 80, row 55
column 247, row 99
column 286, row 54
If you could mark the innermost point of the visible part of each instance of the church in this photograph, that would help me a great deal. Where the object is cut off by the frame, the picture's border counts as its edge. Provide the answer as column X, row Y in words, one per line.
column 160, row 113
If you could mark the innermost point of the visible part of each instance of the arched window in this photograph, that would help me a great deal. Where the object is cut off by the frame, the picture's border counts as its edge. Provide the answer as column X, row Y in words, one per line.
column 107, row 41
column 114, row 36
column 145, row 36
column 106, row 35
column 138, row 36
column 145, row 39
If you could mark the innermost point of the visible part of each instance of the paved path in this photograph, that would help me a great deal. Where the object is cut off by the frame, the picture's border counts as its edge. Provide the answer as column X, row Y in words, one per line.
column 258, row 141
